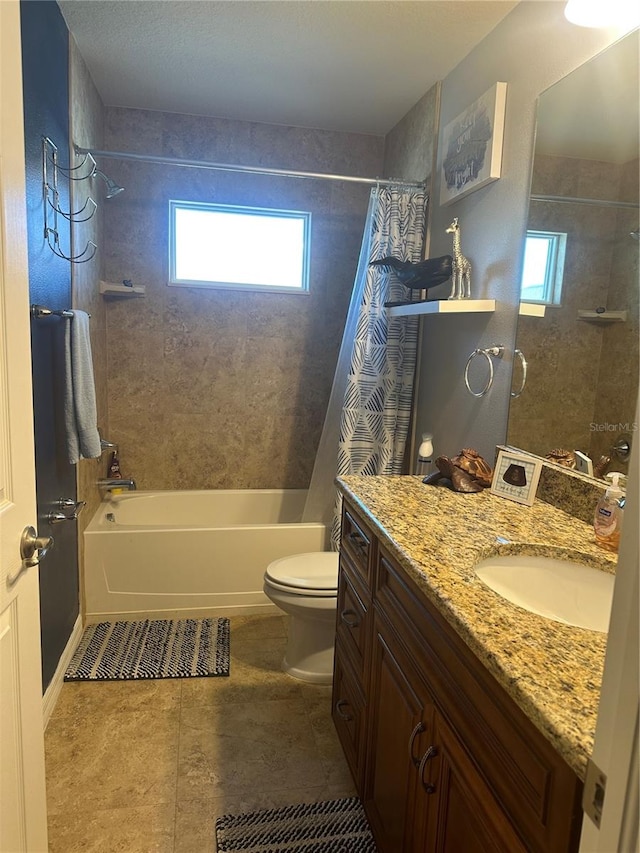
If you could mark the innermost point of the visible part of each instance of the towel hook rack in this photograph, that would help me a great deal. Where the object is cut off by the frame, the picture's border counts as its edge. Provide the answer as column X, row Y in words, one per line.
column 51, row 199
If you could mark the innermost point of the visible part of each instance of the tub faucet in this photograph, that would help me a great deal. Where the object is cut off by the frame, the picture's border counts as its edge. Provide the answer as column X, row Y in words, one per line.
column 116, row 483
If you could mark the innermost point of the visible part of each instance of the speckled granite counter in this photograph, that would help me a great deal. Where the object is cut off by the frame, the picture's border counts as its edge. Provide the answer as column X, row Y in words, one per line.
column 552, row 671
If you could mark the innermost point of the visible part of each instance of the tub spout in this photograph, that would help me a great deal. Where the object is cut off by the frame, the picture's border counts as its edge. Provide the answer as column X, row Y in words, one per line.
column 116, row 483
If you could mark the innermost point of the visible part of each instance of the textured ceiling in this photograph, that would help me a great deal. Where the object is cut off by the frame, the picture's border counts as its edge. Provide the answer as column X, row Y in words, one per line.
column 344, row 65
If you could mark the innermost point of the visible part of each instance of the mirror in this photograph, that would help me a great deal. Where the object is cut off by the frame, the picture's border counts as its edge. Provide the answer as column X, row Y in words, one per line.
column 582, row 352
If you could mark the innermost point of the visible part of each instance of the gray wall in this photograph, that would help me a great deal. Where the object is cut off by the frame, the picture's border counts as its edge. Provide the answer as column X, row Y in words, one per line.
column 530, row 50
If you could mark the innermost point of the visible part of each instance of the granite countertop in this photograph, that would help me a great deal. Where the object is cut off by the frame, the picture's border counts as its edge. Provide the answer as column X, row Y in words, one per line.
column 551, row 670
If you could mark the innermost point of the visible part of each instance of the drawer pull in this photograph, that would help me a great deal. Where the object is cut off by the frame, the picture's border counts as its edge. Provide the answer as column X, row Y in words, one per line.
column 431, row 752
column 414, row 734
column 351, row 623
column 339, row 705
column 358, row 540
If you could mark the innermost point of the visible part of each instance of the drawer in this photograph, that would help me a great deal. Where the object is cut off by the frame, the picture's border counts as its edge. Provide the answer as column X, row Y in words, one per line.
column 356, row 543
column 347, row 710
column 531, row 781
column 352, row 625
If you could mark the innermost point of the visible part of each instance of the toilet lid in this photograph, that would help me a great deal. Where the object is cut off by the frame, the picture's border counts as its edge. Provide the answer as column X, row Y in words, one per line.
column 317, row 570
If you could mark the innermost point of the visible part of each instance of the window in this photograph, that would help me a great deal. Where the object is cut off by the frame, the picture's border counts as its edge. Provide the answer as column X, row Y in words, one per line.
column 247, row 248
column 543, row 267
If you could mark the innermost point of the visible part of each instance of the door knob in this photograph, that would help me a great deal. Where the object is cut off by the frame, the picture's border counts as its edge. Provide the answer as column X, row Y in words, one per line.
column 34, row 548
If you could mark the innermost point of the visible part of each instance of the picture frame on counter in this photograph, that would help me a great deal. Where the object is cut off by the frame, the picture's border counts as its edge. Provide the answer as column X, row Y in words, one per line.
column 516, row 477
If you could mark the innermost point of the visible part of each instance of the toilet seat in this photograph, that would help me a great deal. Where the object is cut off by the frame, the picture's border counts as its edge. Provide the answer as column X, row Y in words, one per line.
column 313, row 574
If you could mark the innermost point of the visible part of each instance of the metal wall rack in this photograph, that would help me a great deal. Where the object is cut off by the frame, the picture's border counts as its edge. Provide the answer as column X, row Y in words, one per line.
column 51, row 200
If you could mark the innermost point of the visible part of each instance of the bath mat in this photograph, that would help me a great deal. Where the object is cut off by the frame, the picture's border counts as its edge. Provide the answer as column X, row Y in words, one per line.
column 161, row 648
column 331, row 826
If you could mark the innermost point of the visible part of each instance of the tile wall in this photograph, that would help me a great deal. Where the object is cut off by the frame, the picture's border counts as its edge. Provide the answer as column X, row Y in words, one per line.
column 214, row 389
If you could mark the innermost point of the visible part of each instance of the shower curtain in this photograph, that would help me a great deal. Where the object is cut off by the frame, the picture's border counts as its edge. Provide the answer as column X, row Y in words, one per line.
column 368, row 416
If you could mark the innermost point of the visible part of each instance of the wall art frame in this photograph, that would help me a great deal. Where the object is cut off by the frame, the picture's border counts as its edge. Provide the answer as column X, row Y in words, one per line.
column 472, row 146
column 516, row 477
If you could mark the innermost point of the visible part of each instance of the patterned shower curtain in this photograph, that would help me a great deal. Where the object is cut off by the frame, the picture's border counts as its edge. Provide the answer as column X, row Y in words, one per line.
column 377, row 402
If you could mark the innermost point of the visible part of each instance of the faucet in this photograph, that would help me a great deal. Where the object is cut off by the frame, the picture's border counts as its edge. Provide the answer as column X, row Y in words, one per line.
column 109, row 484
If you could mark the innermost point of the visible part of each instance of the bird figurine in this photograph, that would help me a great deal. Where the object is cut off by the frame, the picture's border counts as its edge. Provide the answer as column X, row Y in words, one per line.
column 421, row 275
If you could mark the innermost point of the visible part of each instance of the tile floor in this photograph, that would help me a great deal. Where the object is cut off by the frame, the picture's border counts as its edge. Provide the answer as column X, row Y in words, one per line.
column 146, row 767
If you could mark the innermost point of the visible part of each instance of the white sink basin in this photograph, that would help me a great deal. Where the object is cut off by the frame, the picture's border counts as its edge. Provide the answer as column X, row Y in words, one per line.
column 560, row 590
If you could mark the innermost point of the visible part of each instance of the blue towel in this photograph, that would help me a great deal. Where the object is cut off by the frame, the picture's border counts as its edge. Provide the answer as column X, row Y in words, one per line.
column 80, row 413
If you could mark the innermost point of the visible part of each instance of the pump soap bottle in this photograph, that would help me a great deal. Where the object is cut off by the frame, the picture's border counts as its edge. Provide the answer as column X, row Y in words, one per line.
column 607, row 519
column 425, row 455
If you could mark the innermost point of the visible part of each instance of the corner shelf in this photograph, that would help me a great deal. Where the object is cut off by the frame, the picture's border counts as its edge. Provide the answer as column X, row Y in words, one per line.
column 108, row 288
column 444, row 306
column 603, row 316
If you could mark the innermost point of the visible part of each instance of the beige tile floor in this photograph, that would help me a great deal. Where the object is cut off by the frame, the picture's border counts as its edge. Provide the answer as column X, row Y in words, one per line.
column 146, row 767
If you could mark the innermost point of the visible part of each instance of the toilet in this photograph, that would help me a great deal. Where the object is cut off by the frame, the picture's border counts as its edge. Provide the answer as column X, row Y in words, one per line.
column 305, row 586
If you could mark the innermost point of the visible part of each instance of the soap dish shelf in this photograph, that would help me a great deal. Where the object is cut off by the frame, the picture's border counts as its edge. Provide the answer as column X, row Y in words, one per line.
column 603, row 316
column 108, row 288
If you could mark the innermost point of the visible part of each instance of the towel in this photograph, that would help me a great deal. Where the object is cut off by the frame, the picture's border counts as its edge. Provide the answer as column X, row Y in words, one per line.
column 80, row 413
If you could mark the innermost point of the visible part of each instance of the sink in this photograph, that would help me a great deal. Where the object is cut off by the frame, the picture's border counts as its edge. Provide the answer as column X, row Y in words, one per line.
column 561, row 590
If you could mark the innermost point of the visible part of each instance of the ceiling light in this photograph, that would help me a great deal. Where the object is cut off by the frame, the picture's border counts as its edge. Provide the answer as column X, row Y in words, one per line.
column 596, row 13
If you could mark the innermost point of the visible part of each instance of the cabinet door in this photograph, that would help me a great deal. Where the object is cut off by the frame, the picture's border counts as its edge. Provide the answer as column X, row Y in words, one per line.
column 400, row 724
column 464, row 815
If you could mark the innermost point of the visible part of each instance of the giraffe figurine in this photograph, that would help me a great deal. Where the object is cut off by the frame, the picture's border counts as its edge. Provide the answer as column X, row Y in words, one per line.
column 461, row 277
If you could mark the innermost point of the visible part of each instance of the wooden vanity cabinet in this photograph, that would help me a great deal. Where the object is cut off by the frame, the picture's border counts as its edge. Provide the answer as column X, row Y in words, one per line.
column 443, row 759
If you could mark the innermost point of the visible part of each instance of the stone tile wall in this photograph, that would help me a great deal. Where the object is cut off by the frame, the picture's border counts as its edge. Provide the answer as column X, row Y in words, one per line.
column 220, row 388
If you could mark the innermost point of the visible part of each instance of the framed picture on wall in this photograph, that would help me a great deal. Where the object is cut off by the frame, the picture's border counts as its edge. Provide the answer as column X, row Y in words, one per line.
column 472, row 146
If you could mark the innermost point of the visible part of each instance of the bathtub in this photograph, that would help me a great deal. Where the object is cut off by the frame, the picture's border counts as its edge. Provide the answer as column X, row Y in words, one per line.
column 191, row 553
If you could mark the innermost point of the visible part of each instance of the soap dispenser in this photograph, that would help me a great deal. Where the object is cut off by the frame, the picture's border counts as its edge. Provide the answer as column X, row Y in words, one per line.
column 425, row 455
column 607, row 519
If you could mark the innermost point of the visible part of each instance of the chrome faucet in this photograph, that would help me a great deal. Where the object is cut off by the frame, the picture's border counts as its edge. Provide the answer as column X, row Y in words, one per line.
column 109, row 484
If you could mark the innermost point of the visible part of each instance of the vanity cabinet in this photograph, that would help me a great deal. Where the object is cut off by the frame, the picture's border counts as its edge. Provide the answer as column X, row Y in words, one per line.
column 442, row 757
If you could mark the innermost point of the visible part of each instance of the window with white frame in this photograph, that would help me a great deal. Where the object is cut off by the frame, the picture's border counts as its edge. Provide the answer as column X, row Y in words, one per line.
column 543, row 267
column 247, row 248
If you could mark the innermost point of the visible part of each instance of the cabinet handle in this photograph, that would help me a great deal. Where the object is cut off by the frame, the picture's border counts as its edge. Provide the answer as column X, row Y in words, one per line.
column 339, row 705
column 358, row 540
column 431, row 752
column 351, row 623
column 420, row 727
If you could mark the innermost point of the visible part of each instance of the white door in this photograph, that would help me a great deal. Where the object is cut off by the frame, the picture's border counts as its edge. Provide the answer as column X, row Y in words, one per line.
column 23, row 824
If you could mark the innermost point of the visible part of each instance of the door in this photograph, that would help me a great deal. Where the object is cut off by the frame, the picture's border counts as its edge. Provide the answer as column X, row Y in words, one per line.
column 23, row 824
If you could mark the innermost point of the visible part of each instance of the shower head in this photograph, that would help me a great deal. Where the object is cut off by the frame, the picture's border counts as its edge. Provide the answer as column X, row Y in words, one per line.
column 112, row 188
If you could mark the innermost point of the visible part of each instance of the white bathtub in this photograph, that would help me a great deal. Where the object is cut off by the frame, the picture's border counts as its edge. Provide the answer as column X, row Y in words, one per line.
column 168, row 554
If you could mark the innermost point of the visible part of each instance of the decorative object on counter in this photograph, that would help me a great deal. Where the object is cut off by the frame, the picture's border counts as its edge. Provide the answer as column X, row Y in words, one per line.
column 417, row 276
column 608, row 515
column 516, row 477
column 472, row 146
column 425, row 455
column 461, row 285
column 583, row 463
column 566, row 458
column 496, row 351
column 467, row 472
column 600, row 468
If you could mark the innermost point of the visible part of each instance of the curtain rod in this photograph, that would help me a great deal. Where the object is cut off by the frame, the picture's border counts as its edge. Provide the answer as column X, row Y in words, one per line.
column 600, row 202
column 255, row 170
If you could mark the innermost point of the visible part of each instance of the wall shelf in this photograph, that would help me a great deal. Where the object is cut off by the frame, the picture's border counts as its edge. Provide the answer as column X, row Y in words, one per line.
column 532, row 309
column 603, row 316
column 109, row 288
column 444, row 306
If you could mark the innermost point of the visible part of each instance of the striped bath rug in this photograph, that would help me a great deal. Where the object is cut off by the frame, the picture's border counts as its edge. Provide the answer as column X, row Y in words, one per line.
column 161, row 648
column 331, row 826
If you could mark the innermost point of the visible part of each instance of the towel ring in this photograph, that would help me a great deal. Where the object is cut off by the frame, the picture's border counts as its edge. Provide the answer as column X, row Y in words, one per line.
column 523, row 363
column 488, row 352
